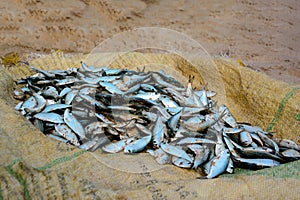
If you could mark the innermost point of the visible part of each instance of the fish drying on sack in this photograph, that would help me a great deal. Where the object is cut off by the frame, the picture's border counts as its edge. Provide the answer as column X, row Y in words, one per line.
column 135, row 111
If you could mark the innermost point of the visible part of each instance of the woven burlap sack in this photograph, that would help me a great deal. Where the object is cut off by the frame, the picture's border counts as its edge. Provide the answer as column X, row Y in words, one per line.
column 33, row 166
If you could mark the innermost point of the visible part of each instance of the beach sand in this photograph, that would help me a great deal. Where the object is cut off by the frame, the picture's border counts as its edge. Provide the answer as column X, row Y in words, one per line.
column 264, row 35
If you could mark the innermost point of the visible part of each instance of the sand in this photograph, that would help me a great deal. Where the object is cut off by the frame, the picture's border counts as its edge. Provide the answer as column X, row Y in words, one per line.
column 263, row 34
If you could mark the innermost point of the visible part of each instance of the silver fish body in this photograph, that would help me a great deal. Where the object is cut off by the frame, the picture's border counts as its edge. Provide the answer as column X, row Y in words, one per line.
column 255, row 163
column 74, row 124
column 245, row 138
column 167, row 102
column 30, row 103
column 176, row 151
column 158, row 132
column 70, row 96
column 53, row 107
column 181, row 162
column 19, row 94
column 138, row 145
column 49, row 117
column 194, row 140
column 201, row 154
column 227, row 116
column 291, row 153
column 65, row 91
column 230, row 166
column 192, row 123
column 268, row 141
column 148, row 88
column 110, row 87
column 161, row 157
column 19, row 106
column 50, row 91
column 67, row 133
column 89, row 144
column 285, row 143
column 219, row 164
column 117, row 146
column 173, row 121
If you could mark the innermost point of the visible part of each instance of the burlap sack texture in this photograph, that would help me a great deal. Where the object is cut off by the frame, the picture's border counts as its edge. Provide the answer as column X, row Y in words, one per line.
column 33, row 166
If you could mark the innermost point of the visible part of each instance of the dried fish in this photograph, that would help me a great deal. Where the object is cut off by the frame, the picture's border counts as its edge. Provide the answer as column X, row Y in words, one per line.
column 132, row 111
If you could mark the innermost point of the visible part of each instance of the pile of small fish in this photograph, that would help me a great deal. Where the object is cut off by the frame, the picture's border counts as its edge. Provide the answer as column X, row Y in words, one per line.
column 134, row 111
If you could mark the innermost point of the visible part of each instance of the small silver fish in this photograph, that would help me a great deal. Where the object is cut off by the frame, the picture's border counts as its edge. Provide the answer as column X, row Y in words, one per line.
column 121, row 108
column 218, row 164
column 158, row 132
column 92, row 101
column 110, row 87
column 142, row 128
column 148, row 88
column 74, row 124
column 19, row 94
column 87, row 68
column 268, row 141
column 173, row 121
column 181, row 162
column 52, row 107
column 49, row 117
column 70, row 96
column 19, row 106
column 176, row 151
column 138, row 145
column 66, row 81
column 193, row 122
column 251, row 129
column 41, row 103
column 290, row 153
column 103, row 118
column 149, row 96
column 201, row 154
column 162, row 82
column 193, row 140
column 30, row 103
column 256, row 139
column 255, row 163
column 256, row 151
column 133, row 89
column 50, row 91
column 245, row 138
column 227, row 116
column 285, row 143
column 118, row 146
column 67, row 133
column 95, row 128
column 65, row 91
column 89, row 144
column 102, row 140
column 167, row 102
column 161, row 157
column 232, row 130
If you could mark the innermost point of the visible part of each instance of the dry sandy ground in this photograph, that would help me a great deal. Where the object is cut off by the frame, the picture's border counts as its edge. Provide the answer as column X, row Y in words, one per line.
column 264, row 34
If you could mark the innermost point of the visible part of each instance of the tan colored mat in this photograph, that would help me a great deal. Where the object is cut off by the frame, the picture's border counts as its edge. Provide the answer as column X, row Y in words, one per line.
column 33, row 166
